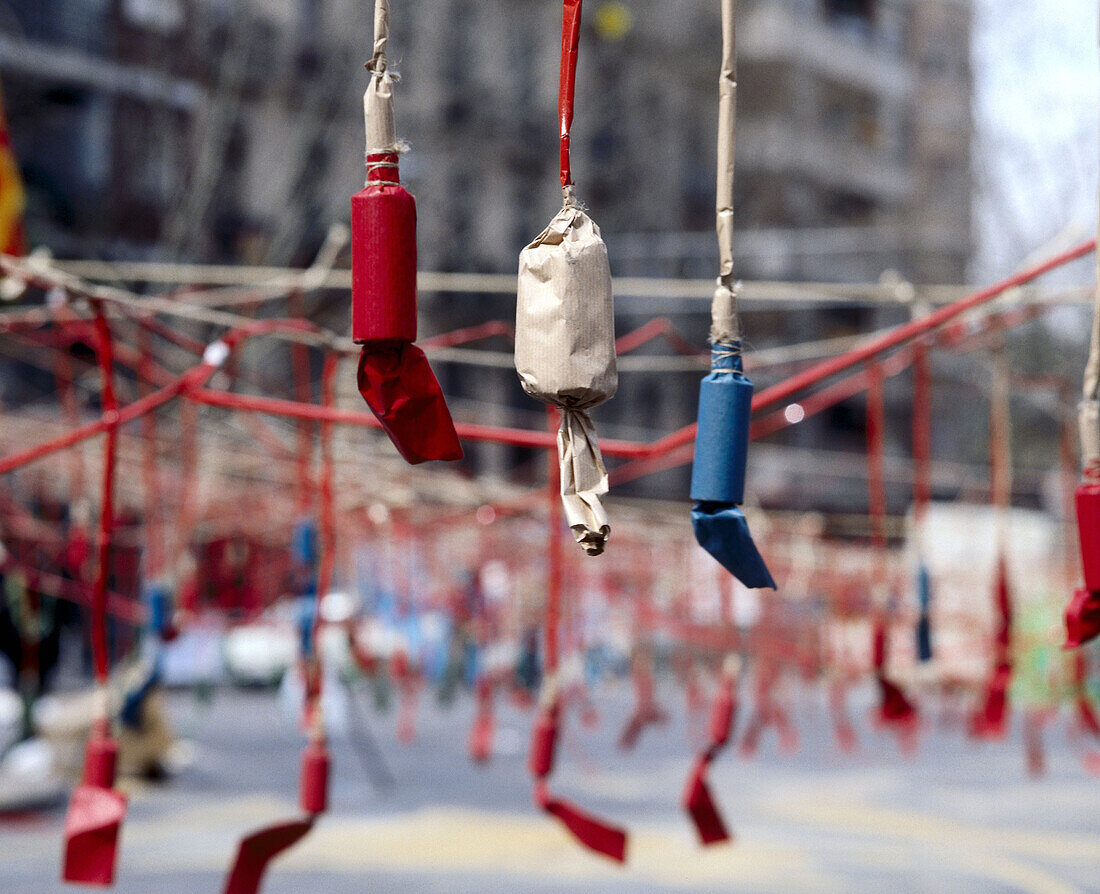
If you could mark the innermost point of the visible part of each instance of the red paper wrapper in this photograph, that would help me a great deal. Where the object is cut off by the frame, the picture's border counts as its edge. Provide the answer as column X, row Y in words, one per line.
column 313, row 786
column 1088, row 529
column 95, row 816
column 1082, row 618
column 383, row 261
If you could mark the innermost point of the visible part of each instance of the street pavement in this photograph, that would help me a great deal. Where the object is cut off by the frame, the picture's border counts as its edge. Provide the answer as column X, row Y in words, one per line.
column 956, row 816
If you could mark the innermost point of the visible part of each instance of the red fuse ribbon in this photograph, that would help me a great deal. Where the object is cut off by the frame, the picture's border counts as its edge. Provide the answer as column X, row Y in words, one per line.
column 567, row 82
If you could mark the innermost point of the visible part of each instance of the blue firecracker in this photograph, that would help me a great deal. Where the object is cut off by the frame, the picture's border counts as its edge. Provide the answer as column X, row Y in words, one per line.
column 924, row 619
column 718, row 473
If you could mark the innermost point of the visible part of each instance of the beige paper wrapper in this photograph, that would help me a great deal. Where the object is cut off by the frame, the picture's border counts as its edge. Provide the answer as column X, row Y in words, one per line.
column 565, row 355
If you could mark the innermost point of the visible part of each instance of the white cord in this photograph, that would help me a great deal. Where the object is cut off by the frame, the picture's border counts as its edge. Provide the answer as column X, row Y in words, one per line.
column 725, row 328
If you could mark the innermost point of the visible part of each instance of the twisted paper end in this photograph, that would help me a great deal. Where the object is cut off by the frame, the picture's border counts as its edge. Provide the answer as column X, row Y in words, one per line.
column 583, row 481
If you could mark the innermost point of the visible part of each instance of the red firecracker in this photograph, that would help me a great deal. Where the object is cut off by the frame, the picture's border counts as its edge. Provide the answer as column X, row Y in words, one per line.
column 394, row 376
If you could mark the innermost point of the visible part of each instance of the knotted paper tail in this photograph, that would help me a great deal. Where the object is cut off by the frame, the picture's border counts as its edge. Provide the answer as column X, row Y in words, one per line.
column 1082, row 618
column 1087, row 718
column 95, row 815
column 895, row 710
column 400, row 388
column 990, row 721
column 700, row 804
column 593, row 832
column 583, row 481
column 697, row 799
column 643, row 716
column 482, row 732
column 257, row 850
column 723, row 531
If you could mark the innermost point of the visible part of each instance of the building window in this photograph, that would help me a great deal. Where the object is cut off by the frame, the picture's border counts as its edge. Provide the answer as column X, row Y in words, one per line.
column 856, row 17
column 850, row 9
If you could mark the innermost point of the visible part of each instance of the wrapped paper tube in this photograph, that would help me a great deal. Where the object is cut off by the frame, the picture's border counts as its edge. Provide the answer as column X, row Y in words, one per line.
column 565, row 355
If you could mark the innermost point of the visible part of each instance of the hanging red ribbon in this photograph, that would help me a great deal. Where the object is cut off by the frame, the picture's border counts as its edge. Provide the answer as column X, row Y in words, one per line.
column 646, row 710
column 96, row 811
column 484, row 726
column 895, row 709
column 990, row 721
column 570, row 42
column 256, row 851
column 922, row 431
column 593, row 832
column 697, row 798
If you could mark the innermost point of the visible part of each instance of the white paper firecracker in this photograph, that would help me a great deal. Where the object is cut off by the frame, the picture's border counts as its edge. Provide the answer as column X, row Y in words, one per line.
column 565, row 355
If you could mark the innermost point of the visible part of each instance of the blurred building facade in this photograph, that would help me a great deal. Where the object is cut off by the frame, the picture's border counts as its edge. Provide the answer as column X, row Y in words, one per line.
column 231, row 130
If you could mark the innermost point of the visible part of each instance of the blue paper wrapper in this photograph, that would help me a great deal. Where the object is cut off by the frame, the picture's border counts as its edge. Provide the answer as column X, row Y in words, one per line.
column 924, row 621
column 718, row 472
column 159, row 600
column 304, row 542
column 722, row 443
column 722, row 530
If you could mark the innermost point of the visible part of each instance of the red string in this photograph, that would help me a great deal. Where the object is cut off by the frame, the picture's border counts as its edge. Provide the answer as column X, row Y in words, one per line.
column 788, row 388
column 876, row 474
column 328, row 536
column 299, row 361
column 154, row 539
column 328, row 511
column 63, row 376
column 570, row 41
column 554, row 557
column 922, row 430
column 106, row 511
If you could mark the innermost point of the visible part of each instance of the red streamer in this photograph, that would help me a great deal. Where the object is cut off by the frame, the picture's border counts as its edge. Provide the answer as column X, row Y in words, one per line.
column 570, row 43
column 697, row 798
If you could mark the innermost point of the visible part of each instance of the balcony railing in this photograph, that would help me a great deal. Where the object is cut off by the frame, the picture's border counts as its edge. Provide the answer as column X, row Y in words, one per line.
column 772, row 32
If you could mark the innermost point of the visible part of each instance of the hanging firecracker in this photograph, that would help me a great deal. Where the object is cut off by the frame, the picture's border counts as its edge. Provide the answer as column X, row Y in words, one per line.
column 1083, row 612
column 257, row 850
column 922, row 495
column 565, row 326
column 96, row 811
column 697, row 798
column 725, row 396
column 990, row 719
column 895, row 710
column 394, row 376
